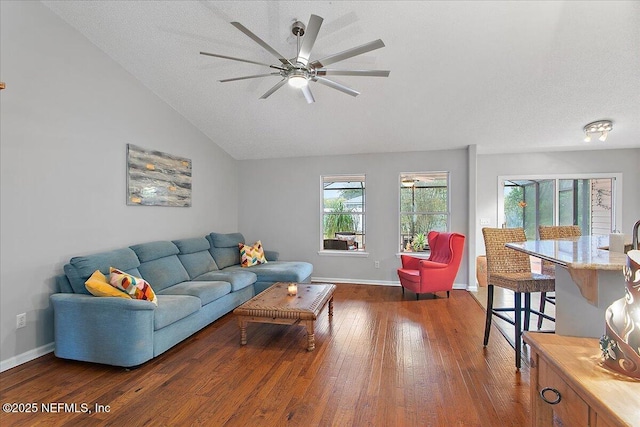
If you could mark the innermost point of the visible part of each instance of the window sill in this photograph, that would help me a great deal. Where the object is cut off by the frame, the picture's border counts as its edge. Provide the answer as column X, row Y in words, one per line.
column 423, row 254
column 328, row 252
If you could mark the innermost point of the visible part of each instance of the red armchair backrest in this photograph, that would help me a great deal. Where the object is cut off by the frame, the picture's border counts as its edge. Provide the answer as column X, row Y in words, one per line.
column 441, row 246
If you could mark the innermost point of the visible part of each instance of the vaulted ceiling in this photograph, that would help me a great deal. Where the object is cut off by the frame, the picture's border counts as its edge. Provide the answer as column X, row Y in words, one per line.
column 509, row 76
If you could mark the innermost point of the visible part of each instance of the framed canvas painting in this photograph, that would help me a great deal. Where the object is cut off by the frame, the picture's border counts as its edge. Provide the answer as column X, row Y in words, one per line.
column 157, row 179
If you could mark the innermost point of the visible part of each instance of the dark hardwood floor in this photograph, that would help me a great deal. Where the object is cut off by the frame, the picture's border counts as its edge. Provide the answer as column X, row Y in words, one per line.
column 382, row 360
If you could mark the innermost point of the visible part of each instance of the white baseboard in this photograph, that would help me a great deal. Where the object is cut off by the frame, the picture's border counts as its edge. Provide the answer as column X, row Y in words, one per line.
column 462, row 286
column 27, row 356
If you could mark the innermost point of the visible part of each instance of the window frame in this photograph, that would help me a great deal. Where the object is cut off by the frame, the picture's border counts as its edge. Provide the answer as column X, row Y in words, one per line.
column 403, row 177
column 361, row 235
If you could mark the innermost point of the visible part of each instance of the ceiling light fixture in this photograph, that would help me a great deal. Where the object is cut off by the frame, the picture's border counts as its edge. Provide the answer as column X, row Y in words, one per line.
column 298, row 79
column 601, row 126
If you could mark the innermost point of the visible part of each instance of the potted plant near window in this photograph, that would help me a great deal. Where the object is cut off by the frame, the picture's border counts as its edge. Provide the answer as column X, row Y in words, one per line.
column 419, row 242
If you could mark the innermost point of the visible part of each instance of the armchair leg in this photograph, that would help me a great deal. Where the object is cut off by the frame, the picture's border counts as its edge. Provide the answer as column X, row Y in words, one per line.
column 447, row 294
column 417, row 296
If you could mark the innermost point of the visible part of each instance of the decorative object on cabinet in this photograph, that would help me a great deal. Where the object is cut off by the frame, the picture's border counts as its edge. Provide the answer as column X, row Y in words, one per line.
column 439, row 271
column 157, row 179
column 511, row 270
column 621, row 343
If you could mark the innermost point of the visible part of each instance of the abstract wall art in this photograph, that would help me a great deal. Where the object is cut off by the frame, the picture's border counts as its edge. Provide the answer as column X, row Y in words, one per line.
column 157, row 179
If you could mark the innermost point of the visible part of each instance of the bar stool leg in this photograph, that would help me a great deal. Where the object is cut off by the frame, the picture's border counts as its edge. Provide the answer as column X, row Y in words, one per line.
column 518, row 326
column 527, row 310
column 487, row 324
column 543, row 302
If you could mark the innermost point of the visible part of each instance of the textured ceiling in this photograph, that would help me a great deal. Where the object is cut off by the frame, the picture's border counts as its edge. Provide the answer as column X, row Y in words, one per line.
column 508, row 76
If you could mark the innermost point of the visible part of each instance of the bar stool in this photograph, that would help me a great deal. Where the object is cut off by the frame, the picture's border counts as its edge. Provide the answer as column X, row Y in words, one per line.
column 510, row 269
column 553, row 232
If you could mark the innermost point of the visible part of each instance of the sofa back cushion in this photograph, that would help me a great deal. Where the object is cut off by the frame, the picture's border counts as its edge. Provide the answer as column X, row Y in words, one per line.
column 159, row 264
column 195, row 256
column 81, row 268
column 224, row 248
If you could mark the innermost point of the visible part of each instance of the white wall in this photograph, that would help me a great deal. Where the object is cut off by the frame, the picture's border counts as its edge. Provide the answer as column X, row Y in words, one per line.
column 280, row 205
column 490, row 166
column 66, row 116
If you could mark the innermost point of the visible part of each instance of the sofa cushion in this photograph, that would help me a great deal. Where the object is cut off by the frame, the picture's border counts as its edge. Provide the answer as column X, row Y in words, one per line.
column 99, row 286
column 224, row 248
column 154, row 250
column 207, row 291
column 163, row 272
column 238, row 279
column 198, row 263
column 190, row 246
column 251, row 255
column 195, row 256
column 278, row 271
column 135, row 287
column 81, row 268
column 172, row 308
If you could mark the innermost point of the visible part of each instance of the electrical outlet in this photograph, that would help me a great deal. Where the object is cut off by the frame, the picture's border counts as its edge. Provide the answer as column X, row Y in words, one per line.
column 485, row 221
column 376, row 264
column 21, row 320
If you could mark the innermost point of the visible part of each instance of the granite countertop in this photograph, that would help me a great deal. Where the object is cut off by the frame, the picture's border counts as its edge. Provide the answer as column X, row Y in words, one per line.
column 585, row 252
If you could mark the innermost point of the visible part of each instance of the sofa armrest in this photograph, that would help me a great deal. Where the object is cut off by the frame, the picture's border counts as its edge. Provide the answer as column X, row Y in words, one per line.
column 113, row 331
column 271, row 255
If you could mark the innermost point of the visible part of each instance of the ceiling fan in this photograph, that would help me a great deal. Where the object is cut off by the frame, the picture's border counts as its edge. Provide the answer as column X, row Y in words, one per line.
column 299, row 71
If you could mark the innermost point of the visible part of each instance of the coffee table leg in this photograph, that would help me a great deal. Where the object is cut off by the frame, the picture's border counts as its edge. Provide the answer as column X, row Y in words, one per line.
column 331, row 307
column 311, row 337
column 243, row 331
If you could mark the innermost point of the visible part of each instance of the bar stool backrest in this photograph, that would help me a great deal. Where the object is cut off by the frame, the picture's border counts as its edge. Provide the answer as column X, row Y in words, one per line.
column 501, row 259
column 551, row 232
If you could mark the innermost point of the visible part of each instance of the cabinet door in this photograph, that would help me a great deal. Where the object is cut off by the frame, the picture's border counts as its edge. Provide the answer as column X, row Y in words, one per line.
column 570, row 410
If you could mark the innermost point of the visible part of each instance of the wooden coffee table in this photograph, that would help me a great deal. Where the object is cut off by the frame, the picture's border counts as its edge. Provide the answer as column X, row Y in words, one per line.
column 275, row 306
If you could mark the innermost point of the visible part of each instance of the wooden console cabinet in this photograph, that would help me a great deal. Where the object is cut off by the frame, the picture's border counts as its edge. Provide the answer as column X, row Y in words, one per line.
column 578, row 389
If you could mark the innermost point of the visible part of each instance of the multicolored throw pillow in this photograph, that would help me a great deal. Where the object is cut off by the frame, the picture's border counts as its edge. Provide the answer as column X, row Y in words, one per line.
column 135, row 287
column 98, row 286
column 251, row 255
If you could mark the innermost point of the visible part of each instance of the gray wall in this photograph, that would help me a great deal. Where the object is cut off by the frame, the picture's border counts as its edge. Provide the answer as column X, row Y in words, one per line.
column 490, row 166
column 280, row 205
column 67, row 114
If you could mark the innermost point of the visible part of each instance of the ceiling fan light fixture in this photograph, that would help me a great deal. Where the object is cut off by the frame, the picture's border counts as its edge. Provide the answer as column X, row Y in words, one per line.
column 298, row 81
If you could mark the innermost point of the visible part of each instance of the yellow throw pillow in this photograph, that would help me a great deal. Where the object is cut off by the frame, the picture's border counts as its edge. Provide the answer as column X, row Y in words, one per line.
column 251, row 255
column 136, row 287
column 98, row 285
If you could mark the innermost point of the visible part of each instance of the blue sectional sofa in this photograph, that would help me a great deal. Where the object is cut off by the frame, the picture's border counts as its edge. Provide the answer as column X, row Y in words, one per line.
column 196, row 281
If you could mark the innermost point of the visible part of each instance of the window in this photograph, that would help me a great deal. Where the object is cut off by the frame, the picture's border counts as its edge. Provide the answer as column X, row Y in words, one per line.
column 424, row 206
column 588, row 202
column 343, row 213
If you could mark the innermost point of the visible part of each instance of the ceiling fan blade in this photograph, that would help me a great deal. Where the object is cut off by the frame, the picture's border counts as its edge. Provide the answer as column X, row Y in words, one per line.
column 338, row 86
column 261, row 42
column 369, row 73
column 367, row 47
column 306, row 91
column 235, row 59
column 273, row 89
column 248, row 77
column 309, row 39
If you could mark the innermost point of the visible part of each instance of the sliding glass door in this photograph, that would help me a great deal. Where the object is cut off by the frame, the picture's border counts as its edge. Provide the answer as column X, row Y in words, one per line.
column 586, row 202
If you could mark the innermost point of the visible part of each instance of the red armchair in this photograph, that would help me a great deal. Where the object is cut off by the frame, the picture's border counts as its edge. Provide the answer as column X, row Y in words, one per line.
column 439, row 271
